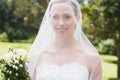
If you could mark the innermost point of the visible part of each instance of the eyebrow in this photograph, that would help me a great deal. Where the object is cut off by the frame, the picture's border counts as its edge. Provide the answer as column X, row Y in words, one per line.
column 63, row 14
column 67, row 14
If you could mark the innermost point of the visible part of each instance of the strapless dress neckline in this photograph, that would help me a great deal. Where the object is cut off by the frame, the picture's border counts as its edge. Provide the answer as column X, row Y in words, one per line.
column 73, row 71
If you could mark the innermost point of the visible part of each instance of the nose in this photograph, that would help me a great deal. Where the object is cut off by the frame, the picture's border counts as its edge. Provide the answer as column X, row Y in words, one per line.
column 61, row 22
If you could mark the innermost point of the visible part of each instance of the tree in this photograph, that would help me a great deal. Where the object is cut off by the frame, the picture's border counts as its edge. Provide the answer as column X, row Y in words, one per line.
column 101, row 22
column 21, row 19
column 112, row 19
column 3, row 14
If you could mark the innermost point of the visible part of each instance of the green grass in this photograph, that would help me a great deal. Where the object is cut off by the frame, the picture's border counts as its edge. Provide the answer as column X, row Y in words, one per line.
column 5, row 45
column 109, row 67
column 109, row 62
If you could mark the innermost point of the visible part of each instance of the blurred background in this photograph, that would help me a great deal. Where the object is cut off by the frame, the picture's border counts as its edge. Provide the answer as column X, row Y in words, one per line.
column 20, row 21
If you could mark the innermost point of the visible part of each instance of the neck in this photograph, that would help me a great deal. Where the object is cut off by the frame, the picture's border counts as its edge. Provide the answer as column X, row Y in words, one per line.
column 65, row 42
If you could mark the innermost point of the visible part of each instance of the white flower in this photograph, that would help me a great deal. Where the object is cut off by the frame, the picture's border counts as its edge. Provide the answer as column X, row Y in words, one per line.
column 7, row 71
column 10, row 72
column 14, row 66
column 16, row 74
column 16, row 61
column 21, row 65
column 2, row 65
column 21, row 52
column 8, row 79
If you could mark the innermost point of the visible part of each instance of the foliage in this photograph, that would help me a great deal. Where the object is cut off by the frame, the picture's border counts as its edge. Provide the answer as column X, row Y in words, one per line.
column 101, row 22
column 13, row 66
column 3, row 14
column 21, row 19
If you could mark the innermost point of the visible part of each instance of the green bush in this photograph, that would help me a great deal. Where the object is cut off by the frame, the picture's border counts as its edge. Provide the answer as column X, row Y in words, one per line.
column 107, row 47
column 22, row 33
column 3, row 37
column 13, row 65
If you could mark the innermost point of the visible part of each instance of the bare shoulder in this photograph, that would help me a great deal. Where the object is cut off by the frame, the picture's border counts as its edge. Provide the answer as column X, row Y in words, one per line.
column 93, row 57
column 41, row 56
column 90, row 55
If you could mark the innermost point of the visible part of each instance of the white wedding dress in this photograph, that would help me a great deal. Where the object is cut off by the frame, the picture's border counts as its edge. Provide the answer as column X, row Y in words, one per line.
column 72, row 71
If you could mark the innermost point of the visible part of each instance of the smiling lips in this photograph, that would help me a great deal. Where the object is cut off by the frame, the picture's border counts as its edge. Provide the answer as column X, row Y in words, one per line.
column 61, row 30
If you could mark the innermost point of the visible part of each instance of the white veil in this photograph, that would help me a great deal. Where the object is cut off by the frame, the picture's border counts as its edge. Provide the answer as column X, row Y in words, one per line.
column 46, row 35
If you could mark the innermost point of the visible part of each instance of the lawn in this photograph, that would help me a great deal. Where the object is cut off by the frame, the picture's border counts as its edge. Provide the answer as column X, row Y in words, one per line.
column 109, row 67
column 5, row 45
column 109, row 62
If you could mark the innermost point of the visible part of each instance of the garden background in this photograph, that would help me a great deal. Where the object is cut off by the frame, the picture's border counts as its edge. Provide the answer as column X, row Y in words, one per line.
column 20, row 21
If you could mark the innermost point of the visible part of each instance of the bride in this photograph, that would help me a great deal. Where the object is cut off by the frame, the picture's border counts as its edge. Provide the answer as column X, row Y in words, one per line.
column 61, row 51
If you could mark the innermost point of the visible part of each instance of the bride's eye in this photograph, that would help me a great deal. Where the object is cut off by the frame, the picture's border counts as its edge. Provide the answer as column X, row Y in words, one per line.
column 67, row 17
column 55, row 17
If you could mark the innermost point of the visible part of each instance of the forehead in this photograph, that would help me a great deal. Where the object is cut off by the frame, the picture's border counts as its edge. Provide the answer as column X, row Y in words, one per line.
column 62, row 7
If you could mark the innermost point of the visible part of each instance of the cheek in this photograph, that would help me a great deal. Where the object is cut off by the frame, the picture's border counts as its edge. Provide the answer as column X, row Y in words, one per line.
column 53, row 23
column 71, row 24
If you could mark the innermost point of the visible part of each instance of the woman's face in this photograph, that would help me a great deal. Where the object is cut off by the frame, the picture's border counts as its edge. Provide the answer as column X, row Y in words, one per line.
column 63, row 19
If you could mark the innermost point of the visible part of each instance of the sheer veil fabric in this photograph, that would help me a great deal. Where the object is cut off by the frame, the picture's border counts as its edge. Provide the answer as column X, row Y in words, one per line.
column 46, row 36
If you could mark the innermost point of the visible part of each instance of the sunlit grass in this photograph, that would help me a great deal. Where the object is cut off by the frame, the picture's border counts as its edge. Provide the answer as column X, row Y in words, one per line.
column 5, row 45
column 109, row 62
column 109, row 67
